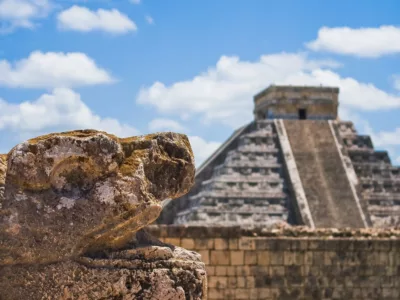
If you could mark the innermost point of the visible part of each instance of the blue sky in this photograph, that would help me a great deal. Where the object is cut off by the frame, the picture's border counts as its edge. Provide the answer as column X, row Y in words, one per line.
column 133, row 67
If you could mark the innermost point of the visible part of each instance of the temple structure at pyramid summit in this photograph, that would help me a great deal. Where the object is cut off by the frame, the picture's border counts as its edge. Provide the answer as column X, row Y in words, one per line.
column 296, row 162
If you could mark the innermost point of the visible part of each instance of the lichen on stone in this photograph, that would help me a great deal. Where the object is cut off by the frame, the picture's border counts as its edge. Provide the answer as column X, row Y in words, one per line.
column 73, row 194
column 3, row 167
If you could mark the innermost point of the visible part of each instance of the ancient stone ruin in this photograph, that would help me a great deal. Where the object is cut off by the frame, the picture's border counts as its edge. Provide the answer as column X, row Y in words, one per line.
column 296, row 163
column 72, row 210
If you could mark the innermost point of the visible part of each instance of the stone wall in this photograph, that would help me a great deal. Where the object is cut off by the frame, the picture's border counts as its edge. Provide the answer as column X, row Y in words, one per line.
column 293, row 263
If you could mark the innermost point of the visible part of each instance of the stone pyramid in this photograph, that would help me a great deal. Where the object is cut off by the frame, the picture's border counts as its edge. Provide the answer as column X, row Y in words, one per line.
column 296, row 163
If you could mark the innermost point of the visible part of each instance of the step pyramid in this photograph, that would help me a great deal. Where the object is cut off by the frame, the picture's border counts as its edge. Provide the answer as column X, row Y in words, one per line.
column 296, row 163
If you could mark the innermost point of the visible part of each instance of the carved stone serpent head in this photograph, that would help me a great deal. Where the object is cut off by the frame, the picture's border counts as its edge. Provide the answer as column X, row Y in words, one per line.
column 68, row 193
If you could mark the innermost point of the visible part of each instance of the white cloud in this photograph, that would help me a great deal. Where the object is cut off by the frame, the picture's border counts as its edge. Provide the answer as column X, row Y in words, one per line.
column 52, row 69
column 354, row 94
column 135, row 1
column 22, row 13
column 362, row 42
column 60, row 110
column 165, row 125
column 80, row 18
column 202, row 149
column 224, row 92
column 381, row 139
column 387, row 138
column 396, row 82
column 149, row 19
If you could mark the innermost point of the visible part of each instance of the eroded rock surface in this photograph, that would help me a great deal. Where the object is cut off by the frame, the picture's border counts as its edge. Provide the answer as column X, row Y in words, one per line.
column 72, row 208
column 145, row 269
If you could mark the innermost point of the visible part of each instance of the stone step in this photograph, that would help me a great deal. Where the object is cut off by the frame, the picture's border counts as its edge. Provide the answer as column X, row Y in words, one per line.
column 253, row 164
column 369, row 156
column 238, row 178
column 358, row 142
column 380, row 196
column 240, row 194
column 250, row 174
column 241, row 202
column 217, row 211
column 379, row 174
column 322, row 174
column 252, row 148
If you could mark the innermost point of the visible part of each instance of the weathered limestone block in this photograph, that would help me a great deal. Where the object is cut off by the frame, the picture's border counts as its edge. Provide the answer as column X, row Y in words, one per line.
column 145, row 269
column 72, row 208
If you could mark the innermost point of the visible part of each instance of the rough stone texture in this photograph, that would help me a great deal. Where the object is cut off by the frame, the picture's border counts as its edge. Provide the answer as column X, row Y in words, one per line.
column 73, row 208
column 145, row 269
column 289, row 263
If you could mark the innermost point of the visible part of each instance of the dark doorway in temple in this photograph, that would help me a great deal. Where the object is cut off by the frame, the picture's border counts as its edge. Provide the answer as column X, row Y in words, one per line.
column 302, row 114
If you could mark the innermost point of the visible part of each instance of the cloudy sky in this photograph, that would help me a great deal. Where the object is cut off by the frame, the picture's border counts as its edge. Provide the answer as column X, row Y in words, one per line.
column 138, row 66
